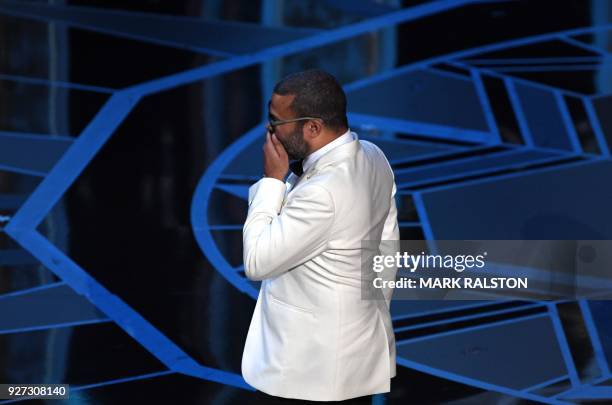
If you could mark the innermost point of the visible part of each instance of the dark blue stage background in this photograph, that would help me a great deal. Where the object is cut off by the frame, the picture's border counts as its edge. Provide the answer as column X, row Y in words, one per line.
column 131, row 130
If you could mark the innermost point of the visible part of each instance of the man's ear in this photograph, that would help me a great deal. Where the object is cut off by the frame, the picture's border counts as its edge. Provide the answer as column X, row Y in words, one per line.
column 313, row 128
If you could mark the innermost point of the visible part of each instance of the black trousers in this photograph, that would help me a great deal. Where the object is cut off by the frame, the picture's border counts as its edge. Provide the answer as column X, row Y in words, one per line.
column 263, row 398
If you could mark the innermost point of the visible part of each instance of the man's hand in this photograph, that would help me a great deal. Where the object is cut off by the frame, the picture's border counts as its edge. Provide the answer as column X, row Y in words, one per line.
column 276, row 161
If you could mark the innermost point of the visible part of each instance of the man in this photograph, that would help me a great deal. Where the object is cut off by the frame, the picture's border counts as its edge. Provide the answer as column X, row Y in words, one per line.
column 312, row 336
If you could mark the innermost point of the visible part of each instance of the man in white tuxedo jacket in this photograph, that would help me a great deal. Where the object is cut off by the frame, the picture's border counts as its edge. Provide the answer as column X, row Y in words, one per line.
column 312, row 335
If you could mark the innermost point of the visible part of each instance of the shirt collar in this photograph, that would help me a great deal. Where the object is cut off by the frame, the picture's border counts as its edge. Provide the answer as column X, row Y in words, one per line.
column 310, row 160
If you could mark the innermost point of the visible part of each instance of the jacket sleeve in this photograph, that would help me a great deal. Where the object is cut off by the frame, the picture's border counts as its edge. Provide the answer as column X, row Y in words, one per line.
column 276, row 240
column 389, row 245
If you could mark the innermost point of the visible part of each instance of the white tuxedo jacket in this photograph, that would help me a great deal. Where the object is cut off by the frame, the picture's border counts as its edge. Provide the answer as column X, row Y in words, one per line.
column 312, row 336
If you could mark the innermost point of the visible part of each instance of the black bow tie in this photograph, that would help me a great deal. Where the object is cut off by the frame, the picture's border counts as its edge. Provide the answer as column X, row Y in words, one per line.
column 296, row 167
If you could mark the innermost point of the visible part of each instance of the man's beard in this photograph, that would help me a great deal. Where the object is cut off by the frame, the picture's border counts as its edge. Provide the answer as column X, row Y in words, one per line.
column 295, row 145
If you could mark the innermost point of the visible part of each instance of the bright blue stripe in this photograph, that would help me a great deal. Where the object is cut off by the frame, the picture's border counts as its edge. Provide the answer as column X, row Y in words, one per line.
column 485, row 104
column 518, row 112
column 584, row 45
column 475, row 382
column 532, row 61
column 446, row 310
column 469, row 329
column 447, row 73
column 562, row 68
column 563, row 344
column 545, row 383
column 120, row 380
column 600, row 379
column 567, row 121
column 31, row 290
column 403, row 140
column 55, row 83
column 587, row 393
column 423, row 217
column 421, row 128
column 450, row 321
column 53, row 326
column 597, row 96
column 19, row 170
column 477, row 158
column 438, row 154
column 462, row 178
column 46, row 137
column 215, row 375
column 594, row 121
column 598, row 351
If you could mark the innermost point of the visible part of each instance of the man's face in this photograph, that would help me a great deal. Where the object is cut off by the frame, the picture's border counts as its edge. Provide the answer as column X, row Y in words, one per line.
column 289, row 134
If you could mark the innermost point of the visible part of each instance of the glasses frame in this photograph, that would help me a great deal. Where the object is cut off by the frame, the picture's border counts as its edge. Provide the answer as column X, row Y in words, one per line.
column 272, row 124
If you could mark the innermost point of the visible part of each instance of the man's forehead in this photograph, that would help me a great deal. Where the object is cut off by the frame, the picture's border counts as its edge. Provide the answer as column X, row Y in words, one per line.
column 279, row 102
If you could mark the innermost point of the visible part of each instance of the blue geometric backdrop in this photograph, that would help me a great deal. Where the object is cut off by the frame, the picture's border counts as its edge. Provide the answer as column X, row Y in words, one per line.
column 508, row 137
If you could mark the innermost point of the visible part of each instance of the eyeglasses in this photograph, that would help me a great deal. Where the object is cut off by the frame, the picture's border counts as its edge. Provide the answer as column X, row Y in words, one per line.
column 274, row 123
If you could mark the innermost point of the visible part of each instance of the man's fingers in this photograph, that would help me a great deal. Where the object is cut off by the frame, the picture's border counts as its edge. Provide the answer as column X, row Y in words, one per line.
column 265, row 144
column 269, row 148
column 276, row 162
column 280, row 149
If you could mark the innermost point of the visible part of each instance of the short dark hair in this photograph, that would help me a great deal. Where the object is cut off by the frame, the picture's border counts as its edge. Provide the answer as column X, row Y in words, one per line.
column 317, row 94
